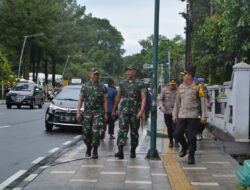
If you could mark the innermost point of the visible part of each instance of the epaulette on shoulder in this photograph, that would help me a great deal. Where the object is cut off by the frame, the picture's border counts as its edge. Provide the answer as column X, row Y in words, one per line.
column 201, row 90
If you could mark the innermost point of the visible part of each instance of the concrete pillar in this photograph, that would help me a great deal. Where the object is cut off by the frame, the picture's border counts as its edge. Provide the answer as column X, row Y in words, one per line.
column 240, row 100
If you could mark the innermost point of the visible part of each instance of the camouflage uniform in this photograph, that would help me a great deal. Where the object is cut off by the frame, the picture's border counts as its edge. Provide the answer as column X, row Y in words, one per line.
column 129, row 106
column 93, row 95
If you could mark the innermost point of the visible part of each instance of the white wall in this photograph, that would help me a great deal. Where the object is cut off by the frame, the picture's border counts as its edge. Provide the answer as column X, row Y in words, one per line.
column 237, row 96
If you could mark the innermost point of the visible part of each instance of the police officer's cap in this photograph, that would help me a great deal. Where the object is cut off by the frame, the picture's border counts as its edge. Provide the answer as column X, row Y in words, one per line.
column 190, row 71
column 95, row 70
column 172, row 81
column 131, row 67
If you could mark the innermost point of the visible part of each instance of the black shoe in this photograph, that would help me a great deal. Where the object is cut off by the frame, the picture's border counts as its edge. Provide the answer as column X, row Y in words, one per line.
column 183, row 152
column 95, row 153
column 120, row 154
column 132, row 153
column 88, row 152
column 191, row 160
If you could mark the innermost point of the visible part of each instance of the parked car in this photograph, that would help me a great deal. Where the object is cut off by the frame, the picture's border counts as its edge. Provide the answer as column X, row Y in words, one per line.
column 62, row 109
column 25, row 94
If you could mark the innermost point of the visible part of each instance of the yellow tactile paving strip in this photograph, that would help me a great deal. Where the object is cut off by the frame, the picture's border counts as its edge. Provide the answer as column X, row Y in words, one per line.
column 177, row 178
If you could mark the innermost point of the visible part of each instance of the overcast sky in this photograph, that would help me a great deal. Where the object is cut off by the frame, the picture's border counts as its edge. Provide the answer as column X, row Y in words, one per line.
column 135, row 18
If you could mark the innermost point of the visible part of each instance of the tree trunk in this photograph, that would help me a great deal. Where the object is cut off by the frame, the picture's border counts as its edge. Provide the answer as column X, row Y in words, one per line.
column 26, row 63
column 38, row 63
column 53, row 73
column 46, row 71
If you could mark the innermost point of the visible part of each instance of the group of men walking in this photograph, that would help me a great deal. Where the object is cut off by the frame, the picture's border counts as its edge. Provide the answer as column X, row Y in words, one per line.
column 184, row 106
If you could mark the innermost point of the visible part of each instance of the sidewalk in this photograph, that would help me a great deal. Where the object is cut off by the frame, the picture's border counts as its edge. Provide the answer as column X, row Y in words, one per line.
column 214, row 169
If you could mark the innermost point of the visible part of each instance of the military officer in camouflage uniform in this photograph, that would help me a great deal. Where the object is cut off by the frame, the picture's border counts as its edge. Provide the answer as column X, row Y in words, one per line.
column 189, row 105
column 94, row 95
column 132, row 98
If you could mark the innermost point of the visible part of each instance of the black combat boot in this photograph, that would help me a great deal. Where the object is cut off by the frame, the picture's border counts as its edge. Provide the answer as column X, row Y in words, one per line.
column 120, row 154
column 88, row 151
column 95, row 153
column 132, row 152
column 191, row 159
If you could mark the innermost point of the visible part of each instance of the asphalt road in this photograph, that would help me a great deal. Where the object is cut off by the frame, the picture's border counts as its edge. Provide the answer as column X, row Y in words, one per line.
column 23, row 139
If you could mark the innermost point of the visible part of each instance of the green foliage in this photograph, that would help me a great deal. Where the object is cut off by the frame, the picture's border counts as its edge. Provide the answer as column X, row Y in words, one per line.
column 5, row 69
column 176, row 48
column 220, row 35
column 67, row 31
column 240, row 186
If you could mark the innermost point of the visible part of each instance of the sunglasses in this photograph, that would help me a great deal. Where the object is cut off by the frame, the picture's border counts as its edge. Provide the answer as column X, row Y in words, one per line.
column 96, row 74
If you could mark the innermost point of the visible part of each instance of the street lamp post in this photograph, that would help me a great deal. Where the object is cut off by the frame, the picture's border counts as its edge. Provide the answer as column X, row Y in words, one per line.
column 65, row 66
column 153, row 153
column 21, row 56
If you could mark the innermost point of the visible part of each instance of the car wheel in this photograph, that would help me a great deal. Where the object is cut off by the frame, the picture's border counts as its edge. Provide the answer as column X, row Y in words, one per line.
column 32, row 104
column 48, row 126
column 8, row 106
column 18, row 106
column 40, row 106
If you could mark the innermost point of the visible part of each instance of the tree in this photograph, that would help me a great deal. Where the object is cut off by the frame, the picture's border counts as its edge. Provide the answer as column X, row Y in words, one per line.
column 5, row 69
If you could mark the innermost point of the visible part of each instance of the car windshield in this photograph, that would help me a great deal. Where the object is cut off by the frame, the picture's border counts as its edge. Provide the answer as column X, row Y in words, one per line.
column 68, row 94
column 23, row 87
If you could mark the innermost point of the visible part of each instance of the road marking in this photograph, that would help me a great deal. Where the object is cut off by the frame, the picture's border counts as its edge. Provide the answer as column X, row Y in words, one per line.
column 66, row 143
column 158, row 174
column 223, row 175
column 31, row 177
column 155, row 161
column 17, row 188
column 139, row 167
column 36, row 110
column 53, row 150
column 115, row 160
column 92, row 166
column 205, row 184
column 139, row 182
column 78, row 137
column 36, row 161
column 12, row 178
column 113, row 173
column 62, row 172
column 194, row 168
column 84, row 180
column 5, row 126
column 44, row 167
column 216, row 162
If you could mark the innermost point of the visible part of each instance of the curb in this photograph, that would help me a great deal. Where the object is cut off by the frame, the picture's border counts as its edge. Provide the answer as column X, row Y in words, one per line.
column 158, row 134
column 48, row 159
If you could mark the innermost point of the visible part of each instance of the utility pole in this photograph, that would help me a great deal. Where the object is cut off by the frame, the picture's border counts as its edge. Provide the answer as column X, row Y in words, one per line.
column 188, row 37
column 65, row 66
column 165, row 67
column 152, row 152
column 21, row 56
